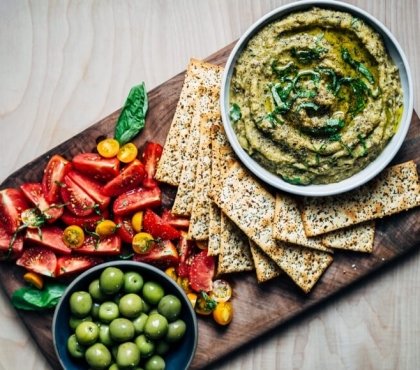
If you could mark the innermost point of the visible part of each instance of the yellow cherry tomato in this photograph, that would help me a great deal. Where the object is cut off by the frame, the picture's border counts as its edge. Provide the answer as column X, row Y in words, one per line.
column 108, row 148
column 193, row 298
column 73, row 236
column 222, row 291
column 171, row 272
column 204, row 305
column 137, row 221
column 34, row 279
column 127, row 153
column 142, row 242
column 201, row 244
column 105, row 228
column 184, row 283
column 223, row 313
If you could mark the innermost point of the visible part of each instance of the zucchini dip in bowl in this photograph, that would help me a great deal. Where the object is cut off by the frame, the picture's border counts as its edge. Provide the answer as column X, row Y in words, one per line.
column 316, row 98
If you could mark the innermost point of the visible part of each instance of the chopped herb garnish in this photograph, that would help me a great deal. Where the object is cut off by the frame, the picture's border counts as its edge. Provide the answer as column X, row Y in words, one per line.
column 360, row 67
column 235, row 112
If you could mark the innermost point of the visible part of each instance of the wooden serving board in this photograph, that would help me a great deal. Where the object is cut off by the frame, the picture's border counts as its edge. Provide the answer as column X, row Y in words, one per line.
column 258, row 308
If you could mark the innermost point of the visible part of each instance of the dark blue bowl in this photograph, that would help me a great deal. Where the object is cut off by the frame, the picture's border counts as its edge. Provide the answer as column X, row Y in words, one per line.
column 177, row 358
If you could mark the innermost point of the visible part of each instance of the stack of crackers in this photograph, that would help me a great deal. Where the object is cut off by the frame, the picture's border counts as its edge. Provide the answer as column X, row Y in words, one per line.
column 247, row 226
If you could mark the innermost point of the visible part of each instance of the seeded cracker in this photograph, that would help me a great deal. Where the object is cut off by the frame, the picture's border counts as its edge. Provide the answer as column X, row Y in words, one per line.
column 214, row 230
column 396, row 189
column 199, row 74
column 251, row 207
column 235, row 254
column 265, row 268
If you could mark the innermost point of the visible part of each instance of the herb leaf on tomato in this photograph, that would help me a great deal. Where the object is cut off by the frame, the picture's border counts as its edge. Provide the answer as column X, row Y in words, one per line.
column 133, row 115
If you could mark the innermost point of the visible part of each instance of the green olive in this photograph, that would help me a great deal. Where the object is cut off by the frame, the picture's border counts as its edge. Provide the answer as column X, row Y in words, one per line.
column 75, row 349
column 80, row 303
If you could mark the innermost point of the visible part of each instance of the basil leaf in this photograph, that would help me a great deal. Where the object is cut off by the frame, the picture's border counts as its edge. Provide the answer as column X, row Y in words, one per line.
column 235, row 112
column 360, row 67
column 32, row 299
column 133, row 115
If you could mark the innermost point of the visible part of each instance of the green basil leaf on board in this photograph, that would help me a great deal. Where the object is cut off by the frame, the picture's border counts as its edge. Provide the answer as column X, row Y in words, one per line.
column 33, row 299
column 133, row 115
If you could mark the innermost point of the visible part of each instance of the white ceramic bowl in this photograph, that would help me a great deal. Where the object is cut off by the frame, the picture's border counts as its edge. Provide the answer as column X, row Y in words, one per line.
column 389, row 151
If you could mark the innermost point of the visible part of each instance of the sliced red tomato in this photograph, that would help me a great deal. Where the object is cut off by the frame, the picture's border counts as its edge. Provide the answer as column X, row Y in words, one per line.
column 97, row 167
column 151, row 155
column 53, row 176
column 76, row 199
column 16, row 247
column 125, row 229
column 38, row 259
column 91, row 187
column 12, row 203
column 68, row 265
column 202, row 272
column 184, row 247
column 33, row 191
column 137, row 199
column 162, row 254
column 130, row 178
column 105, row 246
column 85, row 222
column 175, row 221
column 48, row 236
column 153, row 224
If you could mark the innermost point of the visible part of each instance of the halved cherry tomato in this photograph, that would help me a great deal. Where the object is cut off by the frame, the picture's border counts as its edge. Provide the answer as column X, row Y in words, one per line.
column 127, row 153
column 38, row 259
column 223, row 313
column 12, row 203
column 175, row 221
column 32, row 218
column 77, row 200
column 48, row 236
column 108, row 148
column 11, row 247
column 202, row 272
column 137, row 199
column 91, row 188
column 130, row 178
column 205, row 305
column 85, row 222
column 67, row 265
column 97, row 167
column 192, row 298
column 154, row 225
column 184, row 283
column 73, row 236
column 105, row 246
column 106, row 228
column 35, row 194
column 137, row 221
column 162, row 254
column 125, row 228
column 222, row 291
column 151, row 155
column 171, row 272
column 53, row 176
column 34, row 279
column 142, row 242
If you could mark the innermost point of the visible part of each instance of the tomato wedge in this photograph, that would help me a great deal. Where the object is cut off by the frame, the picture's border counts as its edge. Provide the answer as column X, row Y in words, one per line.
column 202, row 272
column 130, row 178
column 68, row 265
column 5, row 244
column 175, row 221
column 76, row 199
column 150, row 157
column 153, row 224
column 184, row 249
column 85, row 222
column 91, row 188
column 97, row 167
column 12, row 203
column 125, row 229
column 38, row 259
column 105, row 246
column 49, row 237
column 33, row 191
column 53, row 176
column 162, row 254
column 137, row 199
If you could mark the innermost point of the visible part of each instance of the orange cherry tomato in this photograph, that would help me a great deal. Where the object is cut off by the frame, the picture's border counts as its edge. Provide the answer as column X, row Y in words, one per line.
column 137, row 221
column 142, row 242
column 105, row 228
column 34, row 279
column 223, row 313
column 73, row 236
column 127, row 153
column 171, row 272
column 108, row 148
column 193, row 298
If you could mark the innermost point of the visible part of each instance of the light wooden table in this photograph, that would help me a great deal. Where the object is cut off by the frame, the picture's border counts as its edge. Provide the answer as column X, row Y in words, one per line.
column 66, row 64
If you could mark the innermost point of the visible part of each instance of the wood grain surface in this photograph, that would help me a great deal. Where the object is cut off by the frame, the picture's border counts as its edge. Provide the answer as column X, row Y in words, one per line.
column 65, row 65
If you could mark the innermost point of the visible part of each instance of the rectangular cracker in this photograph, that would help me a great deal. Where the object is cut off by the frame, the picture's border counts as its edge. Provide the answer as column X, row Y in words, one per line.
column 199, row 74
column 214, row 230
column 199, row 222
column 251, row 207
column 235, row 254
column 358, row 238
column 265, row 268
column 396, row 189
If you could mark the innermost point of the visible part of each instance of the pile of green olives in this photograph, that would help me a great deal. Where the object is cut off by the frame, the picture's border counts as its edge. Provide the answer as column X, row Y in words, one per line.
column 124, row 322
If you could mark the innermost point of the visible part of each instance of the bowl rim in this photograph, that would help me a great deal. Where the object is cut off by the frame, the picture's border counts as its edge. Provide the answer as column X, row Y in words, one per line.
column 126, row 263
column 374, row 167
